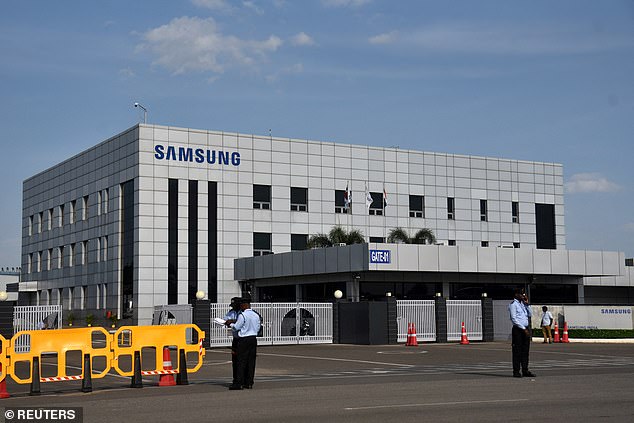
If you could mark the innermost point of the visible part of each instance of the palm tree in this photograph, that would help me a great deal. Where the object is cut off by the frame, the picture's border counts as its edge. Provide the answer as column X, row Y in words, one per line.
column 423, row 236
column 336, row 236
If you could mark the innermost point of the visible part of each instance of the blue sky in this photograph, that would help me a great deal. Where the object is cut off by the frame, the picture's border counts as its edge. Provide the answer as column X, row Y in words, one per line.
column 540, row 80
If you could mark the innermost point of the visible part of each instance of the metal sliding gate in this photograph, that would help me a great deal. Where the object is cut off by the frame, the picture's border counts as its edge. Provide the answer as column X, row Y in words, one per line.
column 467, row 311
column 420, row 312
column 34, row 318
column 282, row 323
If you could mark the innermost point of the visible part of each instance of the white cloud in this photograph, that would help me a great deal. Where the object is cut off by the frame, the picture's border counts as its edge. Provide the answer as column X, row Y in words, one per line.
column 212, row 4
column 344, row 3
column 500, row 39
column 197, row 45
column 254, row 7
column 295, row 69
column 590, row 182
column 302, row 39
column 126, row 73
column 385, row 38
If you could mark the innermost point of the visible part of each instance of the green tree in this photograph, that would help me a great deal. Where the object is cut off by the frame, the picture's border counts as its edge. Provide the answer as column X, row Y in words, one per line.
column 336, row 236
column 422, row 236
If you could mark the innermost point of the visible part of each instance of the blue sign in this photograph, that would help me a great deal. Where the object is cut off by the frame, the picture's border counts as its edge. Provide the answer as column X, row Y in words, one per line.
column 380, row 256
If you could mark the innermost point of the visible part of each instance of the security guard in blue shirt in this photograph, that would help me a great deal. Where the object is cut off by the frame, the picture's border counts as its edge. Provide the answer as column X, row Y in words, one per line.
column 520, row 313
column 248, row 325
column 231, row 317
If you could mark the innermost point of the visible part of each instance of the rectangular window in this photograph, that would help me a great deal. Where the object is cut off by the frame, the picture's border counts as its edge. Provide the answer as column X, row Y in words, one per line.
column 451, row 242
column 451, row 208
column 298, row 242
column 49, row 263
column 84, row 251
column 98, row 203
column 82, row 300
column 73, row 207
column 104, row 246
column 416, row 206
column 29, row 265
column 262, row 244
column 376, row 208
column 30, row 225
column 262, row 197
column 105, row 200
column 483, row 210
column 104, row 295
column 340, row 202
column 50, row 220
column 71, row 255
column 40, row 222
column 98, row 240
column 377, row 239
column 61, row 216
column 515, row 210
column 192, row 242
column 545, row 226
column 127, row 238
column 60, row 257
column 39, row 261
column 84, row 205
column 212, row 241
column 299, row 199
column 516, row 245
column 172, row 242
column 484, row 244
column 71, row 296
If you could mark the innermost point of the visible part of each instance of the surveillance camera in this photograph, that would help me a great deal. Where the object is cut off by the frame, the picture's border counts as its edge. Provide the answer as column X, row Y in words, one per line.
column 136, row 104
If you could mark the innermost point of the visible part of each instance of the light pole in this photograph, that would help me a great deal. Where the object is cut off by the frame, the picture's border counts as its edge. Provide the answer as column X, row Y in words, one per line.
column 144, row 111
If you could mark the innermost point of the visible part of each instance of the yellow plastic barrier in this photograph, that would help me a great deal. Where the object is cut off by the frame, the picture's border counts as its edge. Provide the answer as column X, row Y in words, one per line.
column 128, row 340
column 60, row 341
column 3, row 358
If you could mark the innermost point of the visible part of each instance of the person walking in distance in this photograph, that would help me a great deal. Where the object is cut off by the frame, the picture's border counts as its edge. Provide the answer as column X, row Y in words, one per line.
column 520, row 313
column 231, row 317
column 248, row 325
column 547, row 321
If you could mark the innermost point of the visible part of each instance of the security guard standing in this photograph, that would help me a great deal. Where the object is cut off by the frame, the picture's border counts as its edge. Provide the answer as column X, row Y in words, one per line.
column 520, row 313
column 231, row 317
column 247, row 324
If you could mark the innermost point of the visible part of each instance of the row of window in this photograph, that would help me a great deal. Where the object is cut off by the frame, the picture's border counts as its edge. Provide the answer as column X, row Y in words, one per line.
column 55, row 218
column 262, row 243
column 68, row 301
column 299, row 202
column 65, row 256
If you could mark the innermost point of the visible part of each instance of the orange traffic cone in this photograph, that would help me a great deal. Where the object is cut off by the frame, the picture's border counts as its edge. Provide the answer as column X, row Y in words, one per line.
column 411, row 335
column 565, row 337
column 168, row 379
column 3, row 385
column 464, row 340
column 556, row 333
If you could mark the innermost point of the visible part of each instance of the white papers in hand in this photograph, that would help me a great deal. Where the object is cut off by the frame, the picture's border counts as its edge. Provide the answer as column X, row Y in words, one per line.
column 219, row 321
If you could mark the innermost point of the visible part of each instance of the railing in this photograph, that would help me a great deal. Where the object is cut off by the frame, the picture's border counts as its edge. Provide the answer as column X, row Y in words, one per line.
column 467, row 311
column 420, row 312
column 26, row 318
column 283, row 323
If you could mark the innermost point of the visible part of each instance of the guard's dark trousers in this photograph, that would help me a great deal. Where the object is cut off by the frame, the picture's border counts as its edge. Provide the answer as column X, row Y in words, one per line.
column 247, row 350
column 521, row 346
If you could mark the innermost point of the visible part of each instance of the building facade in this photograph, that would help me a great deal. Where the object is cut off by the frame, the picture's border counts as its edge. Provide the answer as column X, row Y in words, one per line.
column 155, row 214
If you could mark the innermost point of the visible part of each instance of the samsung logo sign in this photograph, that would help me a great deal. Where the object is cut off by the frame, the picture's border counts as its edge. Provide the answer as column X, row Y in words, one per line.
column 380, row 256
column 615, row 311
column 198, row 155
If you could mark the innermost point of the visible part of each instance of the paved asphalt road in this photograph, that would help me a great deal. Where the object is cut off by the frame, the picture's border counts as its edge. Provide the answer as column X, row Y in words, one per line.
column 345, row 383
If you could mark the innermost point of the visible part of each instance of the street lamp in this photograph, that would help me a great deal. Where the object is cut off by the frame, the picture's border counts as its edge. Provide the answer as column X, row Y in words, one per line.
column 144, row 111
column 200, row 295
column 3, row 295
column 338, row 294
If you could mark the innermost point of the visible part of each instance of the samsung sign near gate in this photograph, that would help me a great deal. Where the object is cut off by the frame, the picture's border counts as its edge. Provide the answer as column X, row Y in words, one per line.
column 598, row 317
column 380, row 256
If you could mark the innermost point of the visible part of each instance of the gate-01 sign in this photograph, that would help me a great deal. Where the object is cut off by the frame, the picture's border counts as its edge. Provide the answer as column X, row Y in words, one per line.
column 380, row 256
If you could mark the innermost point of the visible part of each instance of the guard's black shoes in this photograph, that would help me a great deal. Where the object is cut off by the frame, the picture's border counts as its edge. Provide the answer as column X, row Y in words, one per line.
column 516, row 374
column 235, row 388
column 248, row 386
column 528, row 374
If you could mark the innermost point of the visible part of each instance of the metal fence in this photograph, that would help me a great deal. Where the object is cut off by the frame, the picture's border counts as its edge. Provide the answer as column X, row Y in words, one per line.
column 282, row 323
column 420, row 312
column 467, row 311
column 34, row 318
column 172, row 314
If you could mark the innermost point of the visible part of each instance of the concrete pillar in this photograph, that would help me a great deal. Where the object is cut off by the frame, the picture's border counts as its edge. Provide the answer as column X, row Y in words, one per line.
column 581, row 296
column 202, row 318
column 6, row 319
column 441, row 319
column 392, row 324
column 487, row 320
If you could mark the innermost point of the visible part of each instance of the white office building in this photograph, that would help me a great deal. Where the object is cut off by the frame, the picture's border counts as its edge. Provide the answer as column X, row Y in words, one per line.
column 156, row 214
